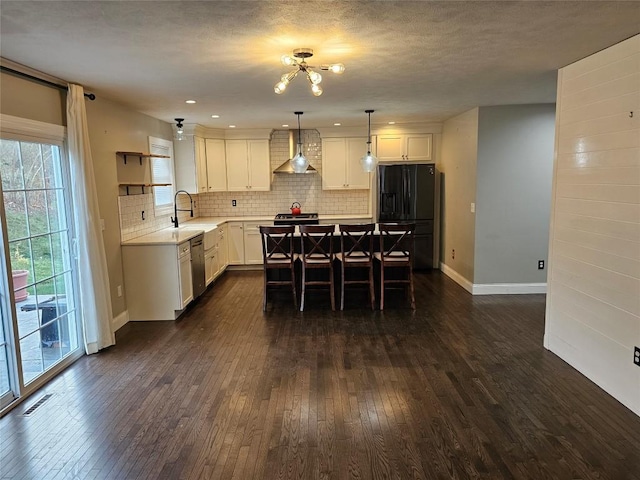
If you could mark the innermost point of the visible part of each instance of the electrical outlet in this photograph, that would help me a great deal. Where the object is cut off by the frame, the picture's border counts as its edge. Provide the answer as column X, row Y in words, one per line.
column 453, row 254
column 119, row 289
column 636, row 355
column 540, row 264
column 233, row 203
column 473, row 207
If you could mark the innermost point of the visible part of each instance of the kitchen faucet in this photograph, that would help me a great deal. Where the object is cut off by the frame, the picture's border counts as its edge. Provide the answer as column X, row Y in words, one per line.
column 174, row 220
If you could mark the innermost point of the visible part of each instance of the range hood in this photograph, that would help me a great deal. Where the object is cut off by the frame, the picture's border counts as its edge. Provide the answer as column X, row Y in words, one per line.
column 286, row 167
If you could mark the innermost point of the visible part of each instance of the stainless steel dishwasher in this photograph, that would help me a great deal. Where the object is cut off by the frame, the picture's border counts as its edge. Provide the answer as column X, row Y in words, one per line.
column 197, row 265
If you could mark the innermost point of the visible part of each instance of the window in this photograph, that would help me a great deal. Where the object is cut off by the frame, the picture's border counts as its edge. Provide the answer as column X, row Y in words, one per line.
column 162, row 172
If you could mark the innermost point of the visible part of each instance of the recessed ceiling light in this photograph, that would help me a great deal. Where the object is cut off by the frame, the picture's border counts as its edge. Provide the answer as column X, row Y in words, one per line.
column 337, row 124
column 190, row 101
column 392, row 123
column 232, row 126
column 215, row 116
column 285, row 125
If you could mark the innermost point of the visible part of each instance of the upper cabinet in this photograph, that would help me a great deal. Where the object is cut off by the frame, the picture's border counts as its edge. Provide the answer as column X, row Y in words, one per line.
column 191, row 164
column 248, row 165
column 341, row 169
column 404, row 147
column 216, row 165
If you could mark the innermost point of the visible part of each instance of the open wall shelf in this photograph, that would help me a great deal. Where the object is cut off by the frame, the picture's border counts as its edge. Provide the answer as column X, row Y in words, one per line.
column 142, row 186
column 139, row 155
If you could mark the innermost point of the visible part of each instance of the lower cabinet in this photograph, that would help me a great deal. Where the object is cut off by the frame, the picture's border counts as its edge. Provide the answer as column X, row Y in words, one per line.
column 236, row 243
column 216, row 257
column 157, row 280
column 252, row 243
column 223, row 252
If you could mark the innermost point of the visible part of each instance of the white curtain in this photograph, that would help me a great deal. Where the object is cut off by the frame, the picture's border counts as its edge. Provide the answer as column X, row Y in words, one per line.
column 95, row 298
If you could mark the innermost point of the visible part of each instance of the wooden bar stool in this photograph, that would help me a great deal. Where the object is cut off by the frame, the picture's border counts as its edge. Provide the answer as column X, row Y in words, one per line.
column 277, row 254
column 396, row 251
column 317, row 253
column 356, row 251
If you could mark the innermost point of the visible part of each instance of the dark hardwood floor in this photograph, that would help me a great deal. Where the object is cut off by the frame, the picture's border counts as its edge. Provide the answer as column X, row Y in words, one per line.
column 460, row 388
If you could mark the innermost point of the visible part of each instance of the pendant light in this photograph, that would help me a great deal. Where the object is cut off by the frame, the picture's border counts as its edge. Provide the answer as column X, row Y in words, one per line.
column 369, row 161
column 179, row 129
column 299, row 162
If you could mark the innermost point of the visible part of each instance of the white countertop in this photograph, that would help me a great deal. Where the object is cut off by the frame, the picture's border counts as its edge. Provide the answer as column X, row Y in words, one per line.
column 188, row 230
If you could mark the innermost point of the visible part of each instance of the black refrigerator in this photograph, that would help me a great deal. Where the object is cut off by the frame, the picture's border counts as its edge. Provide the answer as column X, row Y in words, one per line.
column 407, row 193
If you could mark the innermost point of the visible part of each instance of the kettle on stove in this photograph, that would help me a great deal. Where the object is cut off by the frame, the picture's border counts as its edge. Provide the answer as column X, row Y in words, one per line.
column 295, row 209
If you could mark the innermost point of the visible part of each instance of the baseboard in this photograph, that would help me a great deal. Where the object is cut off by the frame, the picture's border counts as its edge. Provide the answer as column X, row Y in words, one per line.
column 120, row 321
column 456, row 277
column 508, row 288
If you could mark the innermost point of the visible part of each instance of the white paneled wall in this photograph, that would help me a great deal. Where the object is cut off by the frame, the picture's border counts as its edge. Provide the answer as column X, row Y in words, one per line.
column 593, row 302
column 286, row 189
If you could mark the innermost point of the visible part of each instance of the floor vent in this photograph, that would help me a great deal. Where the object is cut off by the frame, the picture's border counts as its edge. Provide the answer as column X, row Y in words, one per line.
column 29, row 411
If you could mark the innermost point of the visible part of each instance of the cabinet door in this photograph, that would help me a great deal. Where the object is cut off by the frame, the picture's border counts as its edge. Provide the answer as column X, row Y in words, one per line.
column 418, row 147
column 235, row 243
column 185, row 165
column 201, row 164
column 237, row 166
column 209, row 267
column 186, row 285
column 252, row 243
column 259, row 165
column 216, row 165
column 223, row 256
column 334, row 159
column 390, row 147
column 356, row 177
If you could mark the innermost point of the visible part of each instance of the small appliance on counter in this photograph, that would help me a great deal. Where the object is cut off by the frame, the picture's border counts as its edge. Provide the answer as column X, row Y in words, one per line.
column 296, row 208
column 296, row 219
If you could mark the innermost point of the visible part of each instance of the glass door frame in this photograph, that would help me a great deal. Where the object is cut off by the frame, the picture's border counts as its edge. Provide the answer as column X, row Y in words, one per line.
column 18, row 129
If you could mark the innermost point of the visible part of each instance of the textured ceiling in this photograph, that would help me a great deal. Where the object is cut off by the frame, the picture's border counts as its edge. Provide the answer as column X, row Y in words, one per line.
column 410, row 61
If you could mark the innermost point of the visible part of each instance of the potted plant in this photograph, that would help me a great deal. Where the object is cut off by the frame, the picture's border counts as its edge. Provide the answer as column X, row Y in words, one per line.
column 19, row 274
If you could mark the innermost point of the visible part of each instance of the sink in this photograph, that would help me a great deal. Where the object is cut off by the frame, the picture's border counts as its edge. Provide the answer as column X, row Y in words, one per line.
column 209, row 232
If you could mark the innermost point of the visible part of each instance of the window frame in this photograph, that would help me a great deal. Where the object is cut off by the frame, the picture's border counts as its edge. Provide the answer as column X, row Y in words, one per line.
column 160, row 146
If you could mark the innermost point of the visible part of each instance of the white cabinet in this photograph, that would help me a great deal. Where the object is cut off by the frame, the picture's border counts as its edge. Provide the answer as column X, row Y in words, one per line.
column 235, row 243
column 184, row 272
column 216, row 165
column 223, row 255
column 248, row 165
column 252, row 243
column 341, row 167
column 157, row 280
column 191, row 164
column 404, row 147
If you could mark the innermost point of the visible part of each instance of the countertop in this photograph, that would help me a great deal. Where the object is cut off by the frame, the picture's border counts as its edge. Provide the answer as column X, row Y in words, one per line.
column 188, row 230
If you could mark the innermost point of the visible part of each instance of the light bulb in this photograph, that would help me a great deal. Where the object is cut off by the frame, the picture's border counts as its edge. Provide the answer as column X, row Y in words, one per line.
column 299, row 162
column 287, row 60
column 369, row 162
column 317, row 90
column 337, row 68
column 280, row 87
column 315, row 77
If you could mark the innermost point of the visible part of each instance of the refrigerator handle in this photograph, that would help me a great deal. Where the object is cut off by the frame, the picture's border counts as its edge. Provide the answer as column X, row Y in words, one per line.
column 405, row 192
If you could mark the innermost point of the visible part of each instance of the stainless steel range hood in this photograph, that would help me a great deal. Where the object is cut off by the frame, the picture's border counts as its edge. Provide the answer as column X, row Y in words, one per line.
column 286, row 167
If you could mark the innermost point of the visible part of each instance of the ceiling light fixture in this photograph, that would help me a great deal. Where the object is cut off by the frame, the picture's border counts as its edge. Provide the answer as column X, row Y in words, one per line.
column 299, row 162
column 299, row 62
column 179, row 129
column 369, row 161
column 190, row 101
column 215, row 116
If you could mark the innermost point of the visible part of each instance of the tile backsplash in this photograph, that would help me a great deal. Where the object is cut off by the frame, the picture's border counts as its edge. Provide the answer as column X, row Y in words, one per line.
column 285, row 189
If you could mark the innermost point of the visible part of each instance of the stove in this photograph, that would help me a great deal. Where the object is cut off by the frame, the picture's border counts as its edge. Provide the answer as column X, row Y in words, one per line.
column 290, row 219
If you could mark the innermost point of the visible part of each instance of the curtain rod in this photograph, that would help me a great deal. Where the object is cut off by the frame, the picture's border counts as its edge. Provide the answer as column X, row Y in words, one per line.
column 18, row 73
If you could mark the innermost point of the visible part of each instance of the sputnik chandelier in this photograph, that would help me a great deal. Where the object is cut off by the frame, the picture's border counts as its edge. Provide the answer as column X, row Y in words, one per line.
column 299, row 62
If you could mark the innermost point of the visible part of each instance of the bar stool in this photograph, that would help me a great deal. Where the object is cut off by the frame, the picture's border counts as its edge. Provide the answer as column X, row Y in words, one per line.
column 356, row 251
column 317, row 253
column 277, row 254
column 396, row 251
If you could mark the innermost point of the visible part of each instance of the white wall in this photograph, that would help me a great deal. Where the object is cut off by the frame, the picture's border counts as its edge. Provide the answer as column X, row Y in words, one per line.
column 513, row 197
column 458, row 190
column 593, row 302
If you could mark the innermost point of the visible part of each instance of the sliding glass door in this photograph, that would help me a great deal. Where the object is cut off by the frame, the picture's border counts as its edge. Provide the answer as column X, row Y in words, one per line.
column 40, row 298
